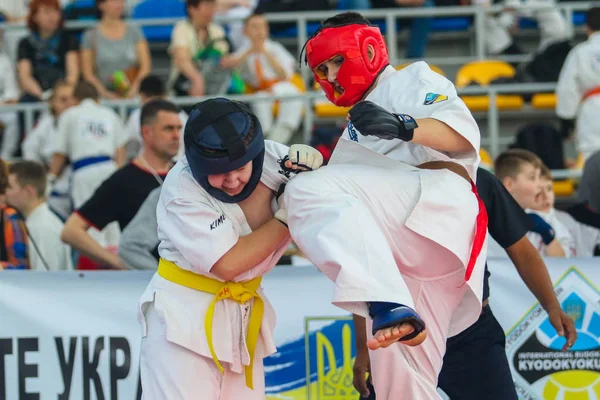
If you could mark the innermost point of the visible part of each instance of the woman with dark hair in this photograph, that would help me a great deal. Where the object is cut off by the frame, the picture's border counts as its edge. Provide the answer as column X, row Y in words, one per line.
column 48, row 54
column 115, row 55
column 13, row 235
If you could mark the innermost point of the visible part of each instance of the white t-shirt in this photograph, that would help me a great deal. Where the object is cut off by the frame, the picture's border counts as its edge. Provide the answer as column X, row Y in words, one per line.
column 89, row 130
column 45, row 228
column 195, row 230
column 405, row 92
column 562, row 234
column 134, row 130
column 585, row 237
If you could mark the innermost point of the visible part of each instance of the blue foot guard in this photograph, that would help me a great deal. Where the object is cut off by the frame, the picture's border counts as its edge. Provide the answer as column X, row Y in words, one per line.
column 386, row 315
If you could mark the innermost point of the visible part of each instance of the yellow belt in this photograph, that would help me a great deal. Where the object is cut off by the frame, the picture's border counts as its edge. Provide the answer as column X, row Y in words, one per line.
column 240, row 292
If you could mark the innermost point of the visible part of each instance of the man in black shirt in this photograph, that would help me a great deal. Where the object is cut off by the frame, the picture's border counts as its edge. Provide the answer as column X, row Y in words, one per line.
column 121, row 195
column 475, row 364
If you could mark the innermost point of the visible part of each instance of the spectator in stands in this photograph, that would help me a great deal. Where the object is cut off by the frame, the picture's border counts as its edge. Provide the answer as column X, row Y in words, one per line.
column 240, row 9
column 267, row 67
column 419, row 27
column 197, row 48
column 499, row 40
column 519, row 171
column 115, row 55
column 151, row 88
column 576, row 238
column 544, row 207
column 48, row 54
column 138, row 247
column 120, row 197
column 589, row 187
column 14, row 11
column 9, row 120
column 13, row 234
column 38, row 146
column 27, row 193
column 92, row 136
column 578, row 89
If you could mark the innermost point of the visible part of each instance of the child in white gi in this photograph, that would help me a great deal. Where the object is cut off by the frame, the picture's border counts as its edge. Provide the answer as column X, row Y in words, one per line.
column 578, row 89
column 394, row 218
column 576, row 239
column 267, row 67
column 206, row 323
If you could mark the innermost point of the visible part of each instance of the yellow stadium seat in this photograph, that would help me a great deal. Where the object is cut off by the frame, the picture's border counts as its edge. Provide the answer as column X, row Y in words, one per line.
column 434, row 68
column 566, row 188
column 325, row 109
column 482, row 73
column 486, row 159
column 544, row 101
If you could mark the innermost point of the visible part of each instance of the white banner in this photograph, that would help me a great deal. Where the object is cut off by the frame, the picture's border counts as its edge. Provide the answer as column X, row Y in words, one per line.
column 76, row 336
column 540, row 370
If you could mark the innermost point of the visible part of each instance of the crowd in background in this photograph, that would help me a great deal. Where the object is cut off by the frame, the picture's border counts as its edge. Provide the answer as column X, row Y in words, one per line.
column 83, row 192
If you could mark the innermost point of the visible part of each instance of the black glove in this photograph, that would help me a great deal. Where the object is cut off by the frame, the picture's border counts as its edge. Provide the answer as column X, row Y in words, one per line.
column 542, row 227
column 373, row 120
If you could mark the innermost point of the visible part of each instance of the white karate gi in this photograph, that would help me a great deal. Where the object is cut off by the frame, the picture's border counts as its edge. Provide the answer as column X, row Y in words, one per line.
column 195, row 231
column 39, row 146
column 551, row 23
column 290, row 111
column 370, row 214
column 580, row 74
column 85, row 132
column 9, row 91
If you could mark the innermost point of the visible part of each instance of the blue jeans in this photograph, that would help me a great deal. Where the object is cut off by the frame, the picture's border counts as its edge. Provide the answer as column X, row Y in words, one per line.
column 419, row 27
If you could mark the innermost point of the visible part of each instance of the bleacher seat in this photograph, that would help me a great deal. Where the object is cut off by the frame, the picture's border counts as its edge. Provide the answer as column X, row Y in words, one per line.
column 482, row 73
column 80, row 10
column 544, row 101
column 159, row 9
column 433, row 67
column 486, row 159
column 566, row 187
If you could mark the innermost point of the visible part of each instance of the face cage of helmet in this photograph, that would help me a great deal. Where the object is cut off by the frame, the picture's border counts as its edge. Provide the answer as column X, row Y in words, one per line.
column 329, row 70
column 232, row 182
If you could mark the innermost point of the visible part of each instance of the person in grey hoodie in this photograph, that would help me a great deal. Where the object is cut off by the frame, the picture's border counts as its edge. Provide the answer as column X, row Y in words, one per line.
column 138, row 245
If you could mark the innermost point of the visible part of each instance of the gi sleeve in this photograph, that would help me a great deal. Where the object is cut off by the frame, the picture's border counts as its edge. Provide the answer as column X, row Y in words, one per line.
column 273, row 174
column 199, row 232
column 433, row 96
column 568, row 91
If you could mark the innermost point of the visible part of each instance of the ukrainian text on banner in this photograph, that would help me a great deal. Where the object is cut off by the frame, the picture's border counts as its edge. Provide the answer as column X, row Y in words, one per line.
column 540, row 369
column 76, row 336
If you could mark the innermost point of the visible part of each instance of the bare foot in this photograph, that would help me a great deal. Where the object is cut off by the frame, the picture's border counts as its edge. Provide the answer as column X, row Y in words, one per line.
column 388, row 336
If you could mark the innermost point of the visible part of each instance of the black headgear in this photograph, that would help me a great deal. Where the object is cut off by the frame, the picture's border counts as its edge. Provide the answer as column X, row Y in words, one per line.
column 215, row 136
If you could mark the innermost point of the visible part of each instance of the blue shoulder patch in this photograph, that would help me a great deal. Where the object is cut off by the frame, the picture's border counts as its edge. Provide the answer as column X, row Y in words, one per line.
column 432, row 98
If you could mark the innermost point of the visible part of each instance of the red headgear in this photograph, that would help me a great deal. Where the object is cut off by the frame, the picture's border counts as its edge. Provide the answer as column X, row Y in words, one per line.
column 356, row 73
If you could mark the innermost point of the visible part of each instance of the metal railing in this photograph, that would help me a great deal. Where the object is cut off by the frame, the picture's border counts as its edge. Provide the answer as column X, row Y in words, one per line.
column 302, row 19
column 309, row 98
